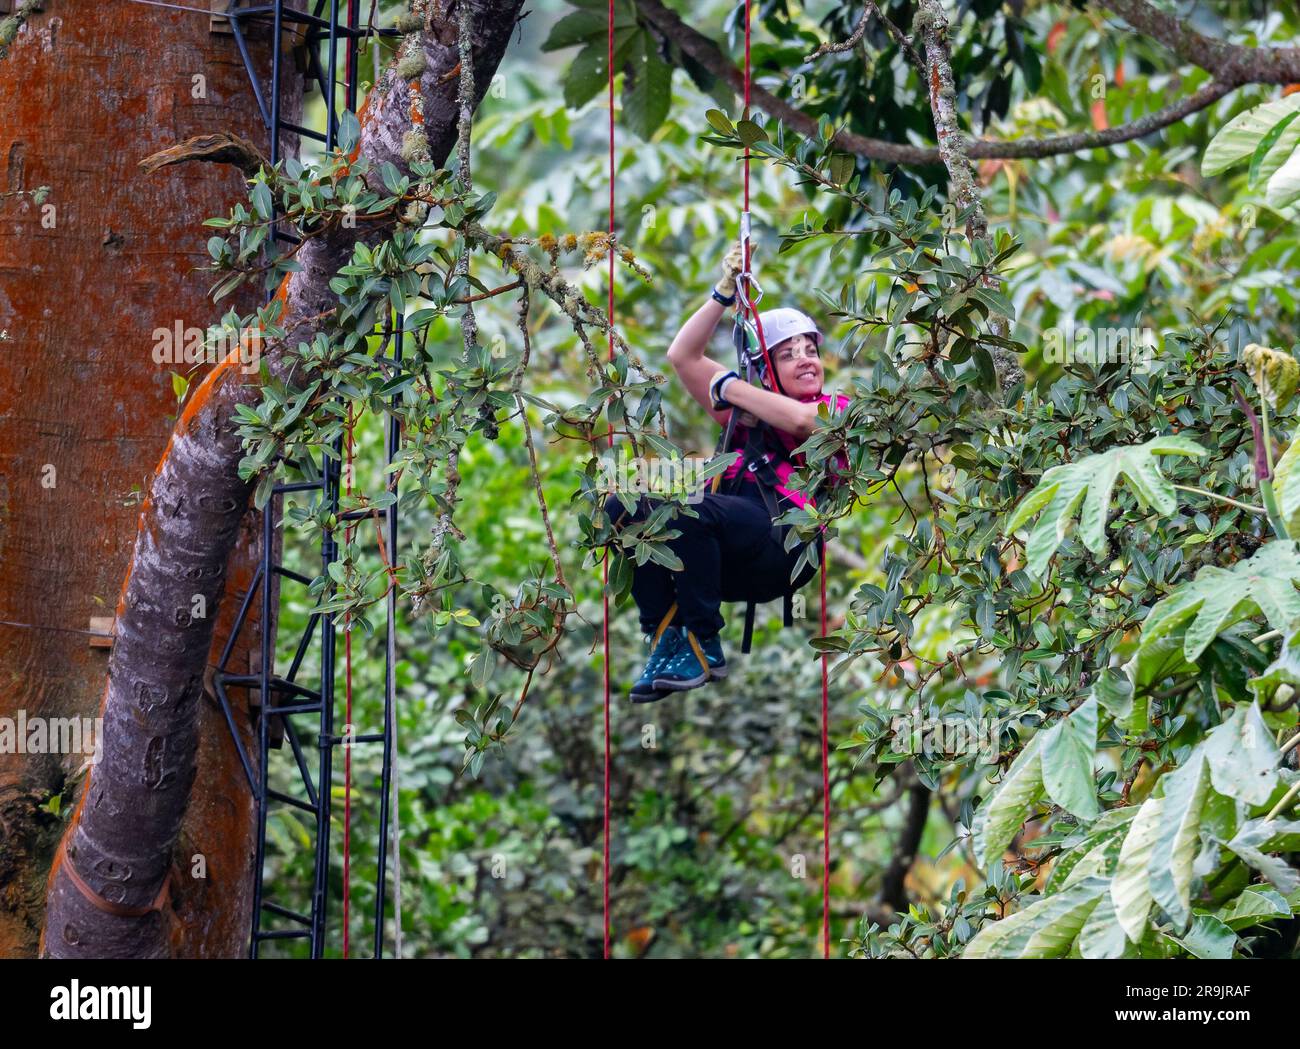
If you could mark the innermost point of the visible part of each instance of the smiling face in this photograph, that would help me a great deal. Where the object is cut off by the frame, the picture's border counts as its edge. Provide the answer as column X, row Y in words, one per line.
column 799, row 367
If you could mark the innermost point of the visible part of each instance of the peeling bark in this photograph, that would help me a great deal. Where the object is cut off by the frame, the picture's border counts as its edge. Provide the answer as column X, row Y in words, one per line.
column 121, row 839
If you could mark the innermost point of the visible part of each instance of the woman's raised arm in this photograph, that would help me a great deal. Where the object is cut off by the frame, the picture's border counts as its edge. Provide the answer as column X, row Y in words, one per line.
column 686, row 354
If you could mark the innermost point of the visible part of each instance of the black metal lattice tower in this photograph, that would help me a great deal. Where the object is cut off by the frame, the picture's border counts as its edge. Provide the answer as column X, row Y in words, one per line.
column 285, row 705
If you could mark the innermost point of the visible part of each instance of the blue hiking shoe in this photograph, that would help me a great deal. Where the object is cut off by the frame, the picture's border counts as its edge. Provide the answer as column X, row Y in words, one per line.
column 694, row 663
column 664, row 646
column 713, row 653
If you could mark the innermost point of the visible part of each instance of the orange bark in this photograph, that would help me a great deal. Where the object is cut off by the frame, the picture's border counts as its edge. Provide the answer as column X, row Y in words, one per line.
column 82, row 289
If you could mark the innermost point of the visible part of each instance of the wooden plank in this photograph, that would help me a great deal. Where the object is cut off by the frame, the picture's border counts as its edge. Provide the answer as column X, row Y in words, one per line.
column 219, row 22
column 101, row 627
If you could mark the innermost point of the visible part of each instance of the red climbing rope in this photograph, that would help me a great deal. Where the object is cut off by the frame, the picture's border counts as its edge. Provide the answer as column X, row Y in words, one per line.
column 604, row 592
column 347, row 721
column 749, row 305
column 826, row 779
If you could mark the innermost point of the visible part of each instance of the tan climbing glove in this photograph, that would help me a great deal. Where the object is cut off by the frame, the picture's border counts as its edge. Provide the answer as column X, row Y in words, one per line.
column 731, row 267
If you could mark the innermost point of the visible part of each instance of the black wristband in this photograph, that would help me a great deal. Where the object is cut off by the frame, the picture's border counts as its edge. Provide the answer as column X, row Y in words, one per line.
column 720, row 298
column 715, row 386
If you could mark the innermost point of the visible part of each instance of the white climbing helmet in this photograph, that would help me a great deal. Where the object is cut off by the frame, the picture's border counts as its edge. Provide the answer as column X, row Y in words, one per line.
column 783, row 322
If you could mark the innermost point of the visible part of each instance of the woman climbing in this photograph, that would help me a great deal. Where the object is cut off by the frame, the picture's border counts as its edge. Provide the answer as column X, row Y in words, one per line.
column 731, row 551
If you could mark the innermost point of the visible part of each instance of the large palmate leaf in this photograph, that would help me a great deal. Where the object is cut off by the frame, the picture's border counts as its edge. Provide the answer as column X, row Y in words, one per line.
column 1044, row 929
column 1004, row 811
column 1218, row 597
column 1102, row 936
column 1286, row 485
column 1174, row 851
column 1069, row 748
column 1254, row 905
column 1283, row 187
column 1242, row 135
column 1242, row 757
column 1091, row 481
column 1258, row 838
column 1130, row 886
column 1284, row 670
column 1208, row 937
column 1094, row 850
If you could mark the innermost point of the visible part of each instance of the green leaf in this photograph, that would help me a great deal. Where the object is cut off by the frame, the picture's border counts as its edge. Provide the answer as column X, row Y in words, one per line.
column 1005, row 810
column 577, row 27
column 481, row 667
column 265, row 487
column 750, row 133
column 1044, row 929
column 1091, row 481
column 1156, row 659
column 1253, row 843
column 986, row 371
column 720, row 123
column 1283, row 187
column 1218, row 597
column 588, row 73
column 1102, row 936
column 1239, row 138
column 262, row 200
column 349, row 132
column 842, row 167
column 1208, row 938
column 1069, row 748
column 1130, row 886
column 1266, row 145
column 1242, row 757
column 1115, row 692
column 1254, row 905
column 647, row 88
column 1097, row 852
column 1174, row 849
column 1286, row 487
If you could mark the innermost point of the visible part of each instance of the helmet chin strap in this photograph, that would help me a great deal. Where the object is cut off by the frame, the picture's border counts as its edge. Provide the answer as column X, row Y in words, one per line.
column 776, row 381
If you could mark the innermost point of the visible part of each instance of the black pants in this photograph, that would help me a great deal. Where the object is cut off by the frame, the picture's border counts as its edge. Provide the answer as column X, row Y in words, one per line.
column 729, row 553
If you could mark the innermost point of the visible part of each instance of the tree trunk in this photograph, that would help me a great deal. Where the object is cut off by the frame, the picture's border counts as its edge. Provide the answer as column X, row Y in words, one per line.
column 120, row 843
column 85, row 279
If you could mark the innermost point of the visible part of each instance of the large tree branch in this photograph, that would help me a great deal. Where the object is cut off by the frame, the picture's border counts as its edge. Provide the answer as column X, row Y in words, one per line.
column 1268, row 69
column 118, row 848
column 708, row 54
column 1232, row 63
